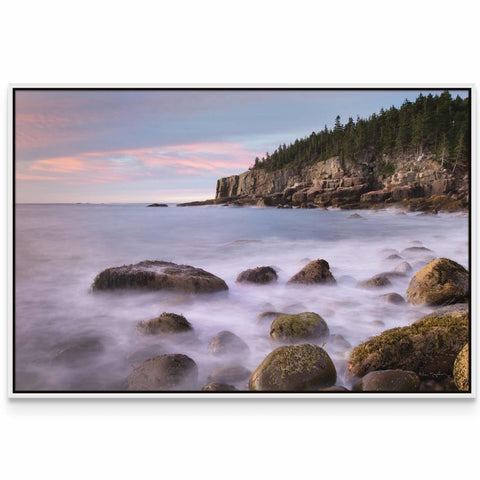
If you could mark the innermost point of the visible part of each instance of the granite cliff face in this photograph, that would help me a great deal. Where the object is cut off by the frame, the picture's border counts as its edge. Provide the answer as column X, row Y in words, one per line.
column 346, row 183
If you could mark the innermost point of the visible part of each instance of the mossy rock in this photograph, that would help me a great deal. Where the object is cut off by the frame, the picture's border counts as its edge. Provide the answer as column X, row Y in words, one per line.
column 461, row 370
column 227, row 343
column 294, row 368
column 166, row 323
column 378, row 281
column 389, row 381
column 315, row 272
column 159, row 275
column 428, row 347
column 165, row 372
column 298, row 327
column 440, row 282
column 218, row 387
column 259, row 275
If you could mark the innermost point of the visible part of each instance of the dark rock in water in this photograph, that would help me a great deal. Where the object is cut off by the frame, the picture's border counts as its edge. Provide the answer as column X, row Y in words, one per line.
column 197, row 203
column 461, row 370
column 235, row 374
column 338, row 343
column 440, row 282
column 294, row 368
column 404, row 268
column 415, row 250
column 428, row 347
column 317, row 271
column 335, row 389
column 389, row 381
column 298, row 327
column 165, row 372
column 218, row 387
column 394, row 256
column 268, row 316
column 139, row 356
column 441, row 385
column 394, row 298
column 355, row 215
column 80, row 351
column 391, row 275
column 261, row 275
column 165, row 323
column 158, row 205
column 227, row 343
column 158, row 275
column 375, row 282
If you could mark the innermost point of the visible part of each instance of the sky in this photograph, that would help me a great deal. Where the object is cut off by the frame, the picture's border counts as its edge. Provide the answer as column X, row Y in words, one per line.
column 164, row 145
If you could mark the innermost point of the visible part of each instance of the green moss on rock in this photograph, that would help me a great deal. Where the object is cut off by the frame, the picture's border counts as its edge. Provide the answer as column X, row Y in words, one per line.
column 389, row 381
column 428, row 347
column 166, row 323
column 304, row 367
column 298, row 327
column 440, row 282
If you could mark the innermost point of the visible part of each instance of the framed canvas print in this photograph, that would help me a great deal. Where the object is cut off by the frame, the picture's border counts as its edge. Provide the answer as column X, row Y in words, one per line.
column 241, row 241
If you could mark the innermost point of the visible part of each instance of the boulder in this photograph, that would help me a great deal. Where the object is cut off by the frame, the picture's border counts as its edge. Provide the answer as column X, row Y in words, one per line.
column 375, row 282
column 404, row 268
column 394, row 298
column 218, row 387
column 227, row 343
column 317, row 271
column 260, row 275
column 232, row 374
column 294, row 368
column 165, row 372
column 79, row 351
column 440, row 282
column 461, row 370
column 166, row 323
column 355, row 215
column 298, row 327
column 388, row 381
column 415, row 250
column 159, row 275
column 394, row 256
column 428, row 347
column 268, row 316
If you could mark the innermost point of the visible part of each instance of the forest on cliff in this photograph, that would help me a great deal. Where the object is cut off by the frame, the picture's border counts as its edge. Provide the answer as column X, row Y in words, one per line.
column 433, row 124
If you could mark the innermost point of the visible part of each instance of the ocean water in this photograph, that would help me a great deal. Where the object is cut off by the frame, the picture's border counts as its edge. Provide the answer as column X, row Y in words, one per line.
column 60, row 249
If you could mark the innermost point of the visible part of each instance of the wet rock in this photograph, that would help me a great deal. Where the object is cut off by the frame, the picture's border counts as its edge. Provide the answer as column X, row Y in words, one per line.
column 415, row 251
column 227, row 343
column 355, row 215
column 389, row 381
column 403, row 268
column 377, row 281
column 260, row 275
column 79, row 351
column 139, row 356
column 440, row 282
column 442, row 385
column 317, row 271
column 428, row 347
column 158, row 205
column 394, row 256
column 461, row 370
column 335, row 389
column 394, row 298
column 218, row 387
column 268, row 316
column 165, row 372
column 228, row 375
column 298, row 327
column 294, row 368
column 159, row 275
column 166, row 323
column 338, row 343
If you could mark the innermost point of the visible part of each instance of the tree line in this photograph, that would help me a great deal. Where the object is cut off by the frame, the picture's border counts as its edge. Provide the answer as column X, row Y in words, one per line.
column 434, row 124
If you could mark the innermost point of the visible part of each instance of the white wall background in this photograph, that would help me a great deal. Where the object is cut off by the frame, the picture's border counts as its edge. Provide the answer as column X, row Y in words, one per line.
column 242, row 42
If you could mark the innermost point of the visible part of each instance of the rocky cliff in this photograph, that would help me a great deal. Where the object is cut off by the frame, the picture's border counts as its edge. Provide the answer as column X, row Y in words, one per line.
column 350, row 183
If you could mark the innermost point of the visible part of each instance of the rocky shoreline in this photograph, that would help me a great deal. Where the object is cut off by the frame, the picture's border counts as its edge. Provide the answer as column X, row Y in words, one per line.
column 429, row 355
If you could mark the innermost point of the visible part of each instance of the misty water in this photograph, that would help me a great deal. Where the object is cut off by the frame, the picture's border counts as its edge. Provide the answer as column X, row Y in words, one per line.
column 60, row 249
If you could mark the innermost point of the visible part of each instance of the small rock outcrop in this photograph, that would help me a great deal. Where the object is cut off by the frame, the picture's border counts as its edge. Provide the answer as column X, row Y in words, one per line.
column 227, row 343
column 259, row 275
column 218, row 387
column 166, row 323
column 294, row 368
column 159, row 275
column 394, row 298
column 158, row 205
column 317, row 271
column 440, row 282
column 404, row 268
column 389, row 381
column 265, row 317
column 427, row 347
column 298, row 327
column 377, row 281
column 461, row 370
column 165, row 372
